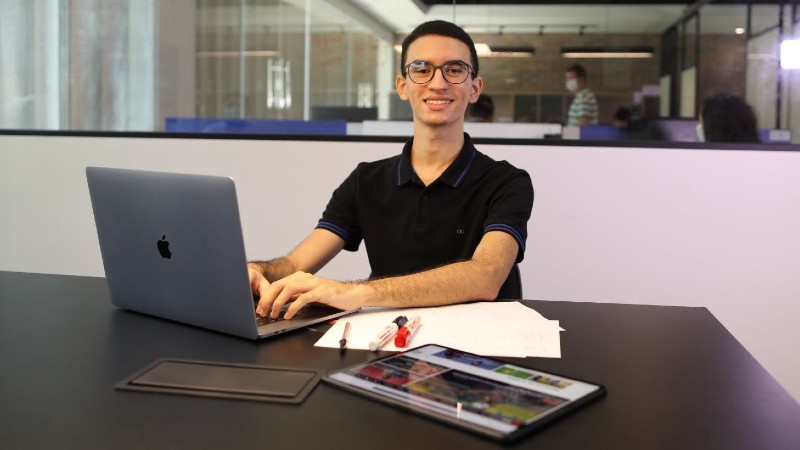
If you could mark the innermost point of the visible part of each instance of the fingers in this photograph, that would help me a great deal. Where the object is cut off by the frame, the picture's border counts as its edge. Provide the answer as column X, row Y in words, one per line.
column 289, row 289
column 259, row 286
column 264, row 303
column 258, row 283
column 300, row 289
column 301, row 301
column 254, row 276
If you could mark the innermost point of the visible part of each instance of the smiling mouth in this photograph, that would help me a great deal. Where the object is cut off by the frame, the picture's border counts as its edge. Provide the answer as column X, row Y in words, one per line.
column 438, row 102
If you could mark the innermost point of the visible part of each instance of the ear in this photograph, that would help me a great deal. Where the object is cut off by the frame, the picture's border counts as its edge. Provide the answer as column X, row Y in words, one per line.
column 400, row 84
column 477, row 87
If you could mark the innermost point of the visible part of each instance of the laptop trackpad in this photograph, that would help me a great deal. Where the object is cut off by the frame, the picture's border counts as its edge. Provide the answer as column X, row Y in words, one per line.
column 227, row 380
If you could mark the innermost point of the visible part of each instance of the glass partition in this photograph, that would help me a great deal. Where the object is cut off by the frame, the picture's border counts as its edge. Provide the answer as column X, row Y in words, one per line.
column 791, row 92
column 144, row 65
column 762, row 77
column 252, row 61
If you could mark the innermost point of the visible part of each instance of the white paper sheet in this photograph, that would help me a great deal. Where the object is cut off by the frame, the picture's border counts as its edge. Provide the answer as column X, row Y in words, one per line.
column 485, row 328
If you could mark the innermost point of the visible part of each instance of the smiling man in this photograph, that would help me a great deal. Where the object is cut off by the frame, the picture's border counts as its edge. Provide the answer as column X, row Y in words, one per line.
column 442, row 223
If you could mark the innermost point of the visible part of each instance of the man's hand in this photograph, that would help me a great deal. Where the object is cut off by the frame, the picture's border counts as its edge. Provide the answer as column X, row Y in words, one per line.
column 258, row 282
column 302, row 288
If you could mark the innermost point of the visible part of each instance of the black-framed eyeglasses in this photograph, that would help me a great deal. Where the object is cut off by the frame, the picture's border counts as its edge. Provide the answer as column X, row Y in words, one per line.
column 454, row 72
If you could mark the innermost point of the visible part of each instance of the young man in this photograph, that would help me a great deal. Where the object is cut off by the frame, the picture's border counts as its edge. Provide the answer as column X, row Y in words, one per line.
column 442, row 223
column 583, row 110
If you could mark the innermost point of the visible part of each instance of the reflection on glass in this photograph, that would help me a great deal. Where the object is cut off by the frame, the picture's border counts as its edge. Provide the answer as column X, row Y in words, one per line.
column 118, row 65
column 279, row 84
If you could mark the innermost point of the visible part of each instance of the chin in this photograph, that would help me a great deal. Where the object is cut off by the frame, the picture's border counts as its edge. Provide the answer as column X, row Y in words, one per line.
column 438, row 122
column 439, row 119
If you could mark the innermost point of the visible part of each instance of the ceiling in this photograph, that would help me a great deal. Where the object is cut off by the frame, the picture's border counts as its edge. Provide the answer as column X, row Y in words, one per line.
column 564, row 16
column 426, row 3
column 390, row 19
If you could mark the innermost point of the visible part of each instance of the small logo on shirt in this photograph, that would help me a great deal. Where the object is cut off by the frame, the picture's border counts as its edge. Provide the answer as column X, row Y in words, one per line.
column 460, row 231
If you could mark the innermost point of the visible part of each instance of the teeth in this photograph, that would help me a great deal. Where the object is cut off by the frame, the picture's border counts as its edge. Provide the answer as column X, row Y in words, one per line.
column 439, row 102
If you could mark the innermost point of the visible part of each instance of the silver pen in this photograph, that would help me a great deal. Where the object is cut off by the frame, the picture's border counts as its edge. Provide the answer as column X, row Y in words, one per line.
column 345, row 335
column 387, row 333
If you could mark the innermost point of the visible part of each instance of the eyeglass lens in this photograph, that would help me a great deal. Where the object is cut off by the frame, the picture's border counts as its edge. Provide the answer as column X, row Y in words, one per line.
column 454, row 72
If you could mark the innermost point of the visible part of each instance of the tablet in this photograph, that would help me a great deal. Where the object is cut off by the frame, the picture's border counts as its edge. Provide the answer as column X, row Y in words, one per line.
column 479, row 394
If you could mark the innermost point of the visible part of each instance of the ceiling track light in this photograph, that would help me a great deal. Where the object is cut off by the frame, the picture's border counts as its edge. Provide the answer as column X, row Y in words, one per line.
column 607, row 52
column 512, row 52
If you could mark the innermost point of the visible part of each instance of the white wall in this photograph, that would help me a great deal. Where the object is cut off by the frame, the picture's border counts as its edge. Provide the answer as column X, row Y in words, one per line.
column 650, row 226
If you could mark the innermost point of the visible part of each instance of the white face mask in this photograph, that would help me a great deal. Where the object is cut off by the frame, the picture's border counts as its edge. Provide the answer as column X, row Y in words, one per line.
column 572, row 85
column 701, row 134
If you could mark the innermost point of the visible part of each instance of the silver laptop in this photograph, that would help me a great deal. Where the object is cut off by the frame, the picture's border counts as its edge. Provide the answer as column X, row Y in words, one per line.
column 172, row 247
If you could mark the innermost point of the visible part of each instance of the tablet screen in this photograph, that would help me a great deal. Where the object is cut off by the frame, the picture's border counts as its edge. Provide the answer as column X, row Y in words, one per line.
column 482, row 394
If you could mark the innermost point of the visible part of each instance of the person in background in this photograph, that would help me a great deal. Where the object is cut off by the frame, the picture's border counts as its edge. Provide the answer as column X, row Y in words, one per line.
column 727, row 118
column 583, row 110
column 622, row 117
column 442, row 223
column 482, row 110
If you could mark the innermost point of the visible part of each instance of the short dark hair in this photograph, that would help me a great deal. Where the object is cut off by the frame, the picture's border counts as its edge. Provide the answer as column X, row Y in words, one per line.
column 623, row 113
column 578, row 69
column 440, row 28
column 483, row 108
column 728, row 118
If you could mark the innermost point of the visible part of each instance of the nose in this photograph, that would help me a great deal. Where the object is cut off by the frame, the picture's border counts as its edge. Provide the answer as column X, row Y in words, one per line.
column 438, row 79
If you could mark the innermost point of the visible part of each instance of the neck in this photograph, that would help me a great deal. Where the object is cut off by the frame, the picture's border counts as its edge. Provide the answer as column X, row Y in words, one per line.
column 436, row 145
column 434, row 150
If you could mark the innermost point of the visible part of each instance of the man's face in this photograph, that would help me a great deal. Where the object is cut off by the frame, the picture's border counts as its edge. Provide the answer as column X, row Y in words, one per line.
column 570, row 75
column 438, row 102
column 572, row 82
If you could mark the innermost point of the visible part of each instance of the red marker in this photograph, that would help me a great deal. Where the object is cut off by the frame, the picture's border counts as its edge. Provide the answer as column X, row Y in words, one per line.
column 403, row 337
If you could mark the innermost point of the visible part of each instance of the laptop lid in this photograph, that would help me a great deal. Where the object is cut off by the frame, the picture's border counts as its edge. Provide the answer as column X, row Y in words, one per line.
column 172, row 247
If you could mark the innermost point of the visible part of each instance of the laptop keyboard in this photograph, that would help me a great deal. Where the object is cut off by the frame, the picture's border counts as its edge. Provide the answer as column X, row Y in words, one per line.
column 261, row 320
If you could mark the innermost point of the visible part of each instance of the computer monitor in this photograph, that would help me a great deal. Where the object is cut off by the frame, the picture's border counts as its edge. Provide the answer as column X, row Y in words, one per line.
column 348, row 113
column 678, row 130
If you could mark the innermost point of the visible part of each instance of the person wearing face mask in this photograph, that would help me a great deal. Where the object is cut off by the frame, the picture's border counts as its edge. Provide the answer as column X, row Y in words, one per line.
column 583, row 110
column 442, row 223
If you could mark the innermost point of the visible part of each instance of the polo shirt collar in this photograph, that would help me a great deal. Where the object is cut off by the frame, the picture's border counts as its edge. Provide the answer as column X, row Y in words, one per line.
column 453, row 176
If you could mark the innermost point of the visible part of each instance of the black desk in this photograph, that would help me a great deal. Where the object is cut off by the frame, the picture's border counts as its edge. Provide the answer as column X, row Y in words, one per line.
column 64, row 347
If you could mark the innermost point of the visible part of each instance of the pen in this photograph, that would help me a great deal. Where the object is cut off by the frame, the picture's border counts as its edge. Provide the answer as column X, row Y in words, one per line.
column 403, row 336
column 387, row 333
column 345, row 335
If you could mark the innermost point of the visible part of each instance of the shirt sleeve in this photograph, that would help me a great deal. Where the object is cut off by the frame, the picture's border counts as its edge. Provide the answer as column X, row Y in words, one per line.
column 340, row 216
column 511, row 209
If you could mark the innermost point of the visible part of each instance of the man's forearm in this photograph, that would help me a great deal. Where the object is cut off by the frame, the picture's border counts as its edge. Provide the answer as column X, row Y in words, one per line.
column 274, row 269
column 480, row 278
column 453, row 283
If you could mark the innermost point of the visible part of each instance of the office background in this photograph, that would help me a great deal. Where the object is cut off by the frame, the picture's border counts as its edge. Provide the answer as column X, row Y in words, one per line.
column 124, row 65
column 696, row 225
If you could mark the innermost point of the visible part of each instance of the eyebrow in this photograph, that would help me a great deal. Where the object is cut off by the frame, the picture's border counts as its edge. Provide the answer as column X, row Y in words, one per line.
column 417, row 61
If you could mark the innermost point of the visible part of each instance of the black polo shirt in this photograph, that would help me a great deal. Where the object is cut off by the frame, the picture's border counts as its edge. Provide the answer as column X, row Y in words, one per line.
column 408, row 227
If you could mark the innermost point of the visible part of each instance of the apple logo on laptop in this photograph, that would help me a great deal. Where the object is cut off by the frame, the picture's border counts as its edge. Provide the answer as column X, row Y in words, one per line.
column 163, row 247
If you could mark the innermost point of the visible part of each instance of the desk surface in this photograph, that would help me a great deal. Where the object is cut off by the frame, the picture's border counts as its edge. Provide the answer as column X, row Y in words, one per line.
column 63, row 347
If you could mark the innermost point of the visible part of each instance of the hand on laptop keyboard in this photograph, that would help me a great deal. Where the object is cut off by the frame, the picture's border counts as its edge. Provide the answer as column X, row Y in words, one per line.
column 261, row 320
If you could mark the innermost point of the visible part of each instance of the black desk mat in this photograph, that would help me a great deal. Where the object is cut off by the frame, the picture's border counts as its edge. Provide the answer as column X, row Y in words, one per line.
column 224, row 380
